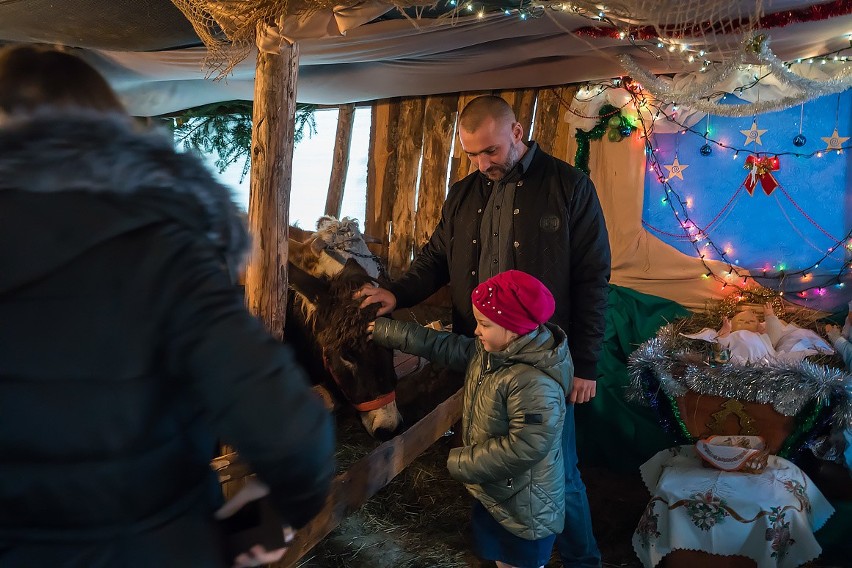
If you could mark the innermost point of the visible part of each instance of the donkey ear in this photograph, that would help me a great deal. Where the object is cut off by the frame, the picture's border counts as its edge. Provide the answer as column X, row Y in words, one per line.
column 298, row 250
column 307, row 285
column 317, row 246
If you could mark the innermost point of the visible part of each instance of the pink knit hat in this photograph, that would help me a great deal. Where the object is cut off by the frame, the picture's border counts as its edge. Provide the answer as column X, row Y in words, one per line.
column 514, row 300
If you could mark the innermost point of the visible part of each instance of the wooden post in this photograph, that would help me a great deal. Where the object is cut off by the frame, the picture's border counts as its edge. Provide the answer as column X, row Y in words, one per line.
column 381, row 170
column 271, row 175
column 552, row 131
column 438, row 126
column 340, row 160
column 409, row 149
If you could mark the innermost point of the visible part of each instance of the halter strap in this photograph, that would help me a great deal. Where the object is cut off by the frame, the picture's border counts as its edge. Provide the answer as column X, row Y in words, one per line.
column 375, row 404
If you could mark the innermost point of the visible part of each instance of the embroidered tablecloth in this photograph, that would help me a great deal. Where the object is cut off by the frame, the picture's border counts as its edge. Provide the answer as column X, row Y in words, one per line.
column 769, row 517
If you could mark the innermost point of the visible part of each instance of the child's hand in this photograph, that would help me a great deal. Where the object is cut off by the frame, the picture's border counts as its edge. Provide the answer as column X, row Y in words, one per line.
column 832, row 332
column 725, row 330
column 370, row 327
column 768, row 310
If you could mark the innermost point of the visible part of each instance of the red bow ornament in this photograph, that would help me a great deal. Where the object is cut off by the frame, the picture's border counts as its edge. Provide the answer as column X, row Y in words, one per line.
column 760, row 169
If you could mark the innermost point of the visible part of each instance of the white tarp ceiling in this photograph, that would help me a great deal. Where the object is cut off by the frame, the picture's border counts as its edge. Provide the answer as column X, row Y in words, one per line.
column 392, row 57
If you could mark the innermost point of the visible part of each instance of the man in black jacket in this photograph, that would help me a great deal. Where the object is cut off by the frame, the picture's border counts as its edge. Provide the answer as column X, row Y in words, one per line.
column 528, row 211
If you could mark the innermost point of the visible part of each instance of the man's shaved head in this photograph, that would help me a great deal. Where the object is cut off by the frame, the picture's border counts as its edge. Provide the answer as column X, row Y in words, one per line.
column 482, row 108
column 491, row 137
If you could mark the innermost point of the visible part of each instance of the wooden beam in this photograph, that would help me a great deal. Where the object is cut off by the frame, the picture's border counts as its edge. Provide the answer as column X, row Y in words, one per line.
column 523, row 107
column 551, row 130
column 271, row 176
column 409, row 149
column 352, row 489
column 438, row 125
column 381, row 170
column 340, row 160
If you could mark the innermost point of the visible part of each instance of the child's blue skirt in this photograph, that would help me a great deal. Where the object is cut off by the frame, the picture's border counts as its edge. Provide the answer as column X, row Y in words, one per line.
column 492, row 542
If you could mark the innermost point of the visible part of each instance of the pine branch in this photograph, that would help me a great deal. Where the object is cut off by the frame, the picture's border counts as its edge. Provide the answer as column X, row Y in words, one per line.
column 225, row 130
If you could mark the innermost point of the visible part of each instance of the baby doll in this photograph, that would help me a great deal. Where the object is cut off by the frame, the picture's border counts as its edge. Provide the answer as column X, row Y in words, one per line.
column 745, row 338
column 750, row 341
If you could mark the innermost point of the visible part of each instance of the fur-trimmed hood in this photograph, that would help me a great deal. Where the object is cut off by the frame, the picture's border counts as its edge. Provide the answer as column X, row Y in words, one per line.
column 71, row 181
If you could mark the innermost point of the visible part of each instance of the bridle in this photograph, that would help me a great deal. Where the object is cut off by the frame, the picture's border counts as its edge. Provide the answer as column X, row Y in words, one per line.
column 375, row 404
column 334, row 251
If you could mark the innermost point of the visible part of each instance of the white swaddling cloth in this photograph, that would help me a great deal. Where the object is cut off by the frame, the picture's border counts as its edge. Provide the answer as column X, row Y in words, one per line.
column 792, row 343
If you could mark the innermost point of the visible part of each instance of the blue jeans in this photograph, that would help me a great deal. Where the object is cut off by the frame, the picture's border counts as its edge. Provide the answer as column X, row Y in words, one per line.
column 577, row 546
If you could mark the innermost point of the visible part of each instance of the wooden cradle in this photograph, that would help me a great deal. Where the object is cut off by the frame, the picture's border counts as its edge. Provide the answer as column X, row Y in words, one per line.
column 789, row 405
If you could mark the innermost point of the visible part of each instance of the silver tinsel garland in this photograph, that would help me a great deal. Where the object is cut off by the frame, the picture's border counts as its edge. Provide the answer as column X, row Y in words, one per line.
column 788, row 388
column 666, row 93
column 750, row 109
column 696, row 97
column 840, row 82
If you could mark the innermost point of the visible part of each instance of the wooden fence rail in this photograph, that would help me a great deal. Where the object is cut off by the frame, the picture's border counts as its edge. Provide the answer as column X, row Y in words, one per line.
column 351, row 489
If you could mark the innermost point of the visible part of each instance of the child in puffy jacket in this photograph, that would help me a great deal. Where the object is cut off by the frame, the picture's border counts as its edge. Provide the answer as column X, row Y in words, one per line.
column 517, row 374
column 840, row 338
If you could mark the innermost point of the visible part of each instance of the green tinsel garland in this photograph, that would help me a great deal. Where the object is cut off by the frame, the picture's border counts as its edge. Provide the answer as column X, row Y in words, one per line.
column 584, row 137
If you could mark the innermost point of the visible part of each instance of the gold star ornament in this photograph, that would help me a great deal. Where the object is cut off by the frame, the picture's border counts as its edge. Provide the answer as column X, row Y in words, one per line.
column 753, row 134
column 835, row 141
column 675, row 169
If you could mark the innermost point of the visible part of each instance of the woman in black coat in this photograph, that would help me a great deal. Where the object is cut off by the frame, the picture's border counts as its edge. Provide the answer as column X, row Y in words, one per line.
column 125, row 348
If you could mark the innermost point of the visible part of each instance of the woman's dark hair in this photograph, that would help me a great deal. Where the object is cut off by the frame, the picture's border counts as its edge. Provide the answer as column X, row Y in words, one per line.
column 32, row 77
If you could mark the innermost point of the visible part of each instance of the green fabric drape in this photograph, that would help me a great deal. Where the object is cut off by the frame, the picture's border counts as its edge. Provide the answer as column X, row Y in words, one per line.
column 610, row 430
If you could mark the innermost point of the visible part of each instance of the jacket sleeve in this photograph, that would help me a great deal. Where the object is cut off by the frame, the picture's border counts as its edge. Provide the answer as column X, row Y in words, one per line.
column 430, row 270
column 844, row 349
column 535, row 407
column 253, row 393
column 590, row 271
column 442, row 348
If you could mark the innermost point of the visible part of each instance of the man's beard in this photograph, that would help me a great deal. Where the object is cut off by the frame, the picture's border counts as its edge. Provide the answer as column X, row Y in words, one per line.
column 498, row 171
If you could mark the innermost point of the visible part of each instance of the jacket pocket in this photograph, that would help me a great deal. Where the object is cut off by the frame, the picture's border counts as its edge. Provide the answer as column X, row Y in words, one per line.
column 503, row 490
column 546, row 509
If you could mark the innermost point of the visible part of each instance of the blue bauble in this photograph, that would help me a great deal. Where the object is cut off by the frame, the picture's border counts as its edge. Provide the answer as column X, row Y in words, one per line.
column 799, row 140
column 625, row 130
column 706, row 150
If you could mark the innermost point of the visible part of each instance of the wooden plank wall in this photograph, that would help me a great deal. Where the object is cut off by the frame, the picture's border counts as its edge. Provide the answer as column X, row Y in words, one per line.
column 381, row 170
column 409, row 150
column 438, row 130
column 415, row 156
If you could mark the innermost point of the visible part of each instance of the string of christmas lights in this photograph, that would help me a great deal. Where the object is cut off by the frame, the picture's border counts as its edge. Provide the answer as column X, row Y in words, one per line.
column 736, row 277
column 783, row 18
column 672, row 118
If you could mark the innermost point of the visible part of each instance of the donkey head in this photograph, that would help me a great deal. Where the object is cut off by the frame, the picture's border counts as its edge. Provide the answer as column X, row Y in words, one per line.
column 362, row 371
